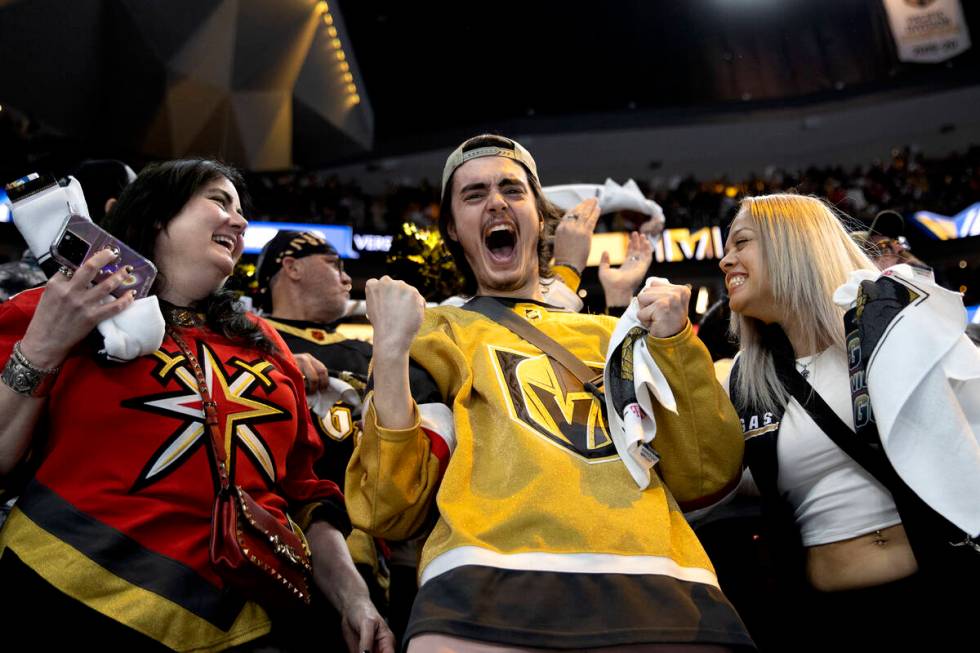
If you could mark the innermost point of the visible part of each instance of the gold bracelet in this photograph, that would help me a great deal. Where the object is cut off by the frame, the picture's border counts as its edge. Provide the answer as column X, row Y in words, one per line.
column 25, row 378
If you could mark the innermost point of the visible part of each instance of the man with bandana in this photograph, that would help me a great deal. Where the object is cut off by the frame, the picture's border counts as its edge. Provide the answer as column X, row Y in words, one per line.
column 304, row 290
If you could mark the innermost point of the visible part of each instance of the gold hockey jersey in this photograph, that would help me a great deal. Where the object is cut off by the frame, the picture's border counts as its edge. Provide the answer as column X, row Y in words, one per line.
column 531, row 495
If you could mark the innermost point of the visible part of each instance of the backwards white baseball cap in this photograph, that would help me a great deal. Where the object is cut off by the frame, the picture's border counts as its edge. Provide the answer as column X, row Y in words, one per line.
column 487, row 145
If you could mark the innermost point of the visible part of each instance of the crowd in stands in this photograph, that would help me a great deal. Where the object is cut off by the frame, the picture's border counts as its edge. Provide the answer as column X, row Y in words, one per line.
column 906, row 181
column 323, row 197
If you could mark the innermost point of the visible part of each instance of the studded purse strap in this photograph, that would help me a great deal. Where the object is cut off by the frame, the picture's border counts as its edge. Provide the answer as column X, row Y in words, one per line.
column 210, row 409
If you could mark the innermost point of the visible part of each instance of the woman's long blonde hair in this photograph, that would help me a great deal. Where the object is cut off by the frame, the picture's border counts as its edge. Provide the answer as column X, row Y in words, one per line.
column 808, row 253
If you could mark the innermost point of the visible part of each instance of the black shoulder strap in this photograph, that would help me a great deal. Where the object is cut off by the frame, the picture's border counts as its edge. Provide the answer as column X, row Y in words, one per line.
column 494, row 310
column 733, row 377
column 835, row 428
column 928, row 531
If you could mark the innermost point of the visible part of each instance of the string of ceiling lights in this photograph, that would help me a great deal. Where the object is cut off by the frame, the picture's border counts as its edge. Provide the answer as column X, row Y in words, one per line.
column 350, row 88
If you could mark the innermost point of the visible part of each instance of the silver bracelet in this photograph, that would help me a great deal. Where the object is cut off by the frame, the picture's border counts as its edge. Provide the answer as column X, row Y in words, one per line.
column 25, row 378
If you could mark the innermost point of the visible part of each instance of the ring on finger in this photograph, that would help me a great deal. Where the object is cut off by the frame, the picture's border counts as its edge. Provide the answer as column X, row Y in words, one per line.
column 67, row 271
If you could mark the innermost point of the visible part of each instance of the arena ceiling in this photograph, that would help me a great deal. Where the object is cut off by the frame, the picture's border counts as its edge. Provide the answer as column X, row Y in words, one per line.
column 262, row 83
column 439, row 71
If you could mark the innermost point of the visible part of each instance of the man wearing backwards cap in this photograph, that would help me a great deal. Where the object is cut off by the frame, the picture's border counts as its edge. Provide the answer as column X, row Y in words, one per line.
column 538, row 534
column 303, row 286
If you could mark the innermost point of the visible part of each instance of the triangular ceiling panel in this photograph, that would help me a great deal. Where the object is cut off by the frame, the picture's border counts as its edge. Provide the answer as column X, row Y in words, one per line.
column 192, row 107
column 217, row 137
column 208, row 55
column 265, row 127
column 290, row 25
column 164, row 25
column 315, row 145
column 322, row 87
column 157, row 138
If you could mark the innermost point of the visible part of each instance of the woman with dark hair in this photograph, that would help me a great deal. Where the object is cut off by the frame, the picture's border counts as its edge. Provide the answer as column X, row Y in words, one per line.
column 858, row 396
column 111, row 536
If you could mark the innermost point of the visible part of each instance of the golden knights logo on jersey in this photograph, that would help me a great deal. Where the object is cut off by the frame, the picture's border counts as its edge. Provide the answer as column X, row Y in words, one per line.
column 337, row 425
column 543, row 396
column 342, row 420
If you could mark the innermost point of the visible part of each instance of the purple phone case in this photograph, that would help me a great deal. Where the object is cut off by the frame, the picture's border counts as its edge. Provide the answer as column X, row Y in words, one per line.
column 143, row 274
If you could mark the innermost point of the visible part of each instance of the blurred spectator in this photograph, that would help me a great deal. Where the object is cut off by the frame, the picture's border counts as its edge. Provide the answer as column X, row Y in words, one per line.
column 20, row 275
column 102, row 180
column 884, row 241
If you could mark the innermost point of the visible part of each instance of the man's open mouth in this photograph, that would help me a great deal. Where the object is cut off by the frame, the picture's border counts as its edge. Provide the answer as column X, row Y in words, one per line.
column 500, row 240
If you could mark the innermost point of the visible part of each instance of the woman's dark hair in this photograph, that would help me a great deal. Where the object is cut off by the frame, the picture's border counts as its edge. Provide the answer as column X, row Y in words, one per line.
column 549, row 213
column 147, row 206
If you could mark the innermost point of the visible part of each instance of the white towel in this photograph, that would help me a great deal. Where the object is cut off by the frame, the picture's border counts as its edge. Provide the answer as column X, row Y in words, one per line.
column 321, row 401
column 41, row 217
column 924, row 383
column 135, row 332
column 612, row 197
column 634, row 430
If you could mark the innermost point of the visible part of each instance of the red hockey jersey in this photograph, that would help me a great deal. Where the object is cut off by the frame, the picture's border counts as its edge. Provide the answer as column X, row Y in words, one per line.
column 118, row 513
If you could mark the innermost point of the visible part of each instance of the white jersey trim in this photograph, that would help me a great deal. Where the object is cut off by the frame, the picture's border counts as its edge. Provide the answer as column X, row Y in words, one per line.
column 574, row 563
column 438, row 419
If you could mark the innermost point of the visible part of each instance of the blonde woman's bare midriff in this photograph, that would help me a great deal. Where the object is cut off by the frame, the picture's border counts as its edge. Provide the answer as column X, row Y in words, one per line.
column 871, row 559
column 439, row 643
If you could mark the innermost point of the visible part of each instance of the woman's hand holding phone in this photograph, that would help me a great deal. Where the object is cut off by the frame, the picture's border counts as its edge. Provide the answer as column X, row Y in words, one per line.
column 70, row 307
column 81, row 238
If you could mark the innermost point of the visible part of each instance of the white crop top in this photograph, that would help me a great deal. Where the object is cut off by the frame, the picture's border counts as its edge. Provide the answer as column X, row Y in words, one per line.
column 833, row 497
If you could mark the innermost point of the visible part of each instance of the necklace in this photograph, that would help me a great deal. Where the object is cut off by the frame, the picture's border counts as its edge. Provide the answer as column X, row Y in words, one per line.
column 181, row 315
column 805, row 367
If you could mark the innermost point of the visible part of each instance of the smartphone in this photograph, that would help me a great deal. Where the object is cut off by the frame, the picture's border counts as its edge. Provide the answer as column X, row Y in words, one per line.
column 81, row 238
column 20, row 189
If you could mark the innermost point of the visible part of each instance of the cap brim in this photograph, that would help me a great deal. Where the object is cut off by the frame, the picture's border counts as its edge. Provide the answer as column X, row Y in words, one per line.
column 888, row 223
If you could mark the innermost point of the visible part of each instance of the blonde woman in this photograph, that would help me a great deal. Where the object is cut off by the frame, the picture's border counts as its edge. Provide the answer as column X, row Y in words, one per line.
column 784, row 258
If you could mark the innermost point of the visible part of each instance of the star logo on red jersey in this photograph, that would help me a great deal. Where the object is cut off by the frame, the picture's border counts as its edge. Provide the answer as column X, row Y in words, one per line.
column 239, row 411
